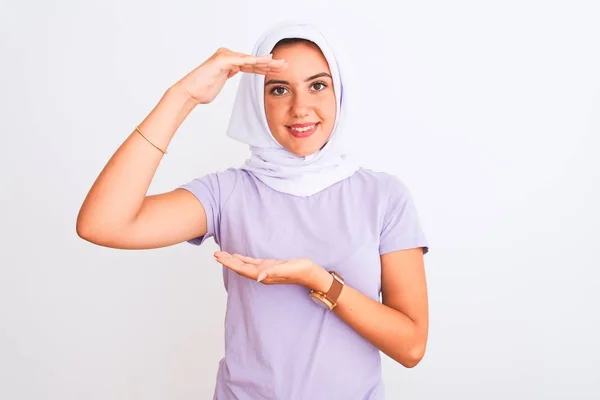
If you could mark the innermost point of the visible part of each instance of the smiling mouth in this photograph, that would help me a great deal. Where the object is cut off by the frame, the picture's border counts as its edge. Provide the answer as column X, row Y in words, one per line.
column 302, row 130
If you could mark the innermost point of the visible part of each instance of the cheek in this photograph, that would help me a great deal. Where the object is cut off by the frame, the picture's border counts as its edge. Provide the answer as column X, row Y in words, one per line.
column 271, row 114
column 275, row 111
column 327, row 110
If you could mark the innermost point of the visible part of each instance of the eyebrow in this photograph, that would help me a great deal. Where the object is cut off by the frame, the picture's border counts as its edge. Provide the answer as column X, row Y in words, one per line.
column 310, row 78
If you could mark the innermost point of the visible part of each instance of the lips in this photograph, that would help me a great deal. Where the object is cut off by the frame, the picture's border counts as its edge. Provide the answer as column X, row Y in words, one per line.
column 302, row 130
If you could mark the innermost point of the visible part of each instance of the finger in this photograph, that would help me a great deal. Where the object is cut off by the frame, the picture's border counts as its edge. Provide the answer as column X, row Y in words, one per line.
column 239, row 60
column 240, row 268
column 248, row 260
column 261, row 67
column 274, row 64
column 262, row 275
column 236, row 265
column 272, row 271
column 233, row 71
column 256, row 69
column 256, row 59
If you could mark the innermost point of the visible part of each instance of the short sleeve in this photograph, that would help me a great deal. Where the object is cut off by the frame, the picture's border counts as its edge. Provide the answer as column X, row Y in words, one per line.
column 212, row 191
column 401, row 227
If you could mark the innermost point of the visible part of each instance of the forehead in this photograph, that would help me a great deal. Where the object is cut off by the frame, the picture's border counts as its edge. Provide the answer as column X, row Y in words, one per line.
column 303, row 60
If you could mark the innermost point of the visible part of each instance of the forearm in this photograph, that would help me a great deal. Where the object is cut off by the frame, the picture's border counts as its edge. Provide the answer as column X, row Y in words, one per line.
column 119, row 191
column 391, row 331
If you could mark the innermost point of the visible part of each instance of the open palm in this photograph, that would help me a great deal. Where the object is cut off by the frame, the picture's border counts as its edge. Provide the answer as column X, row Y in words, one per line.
column 297, row 271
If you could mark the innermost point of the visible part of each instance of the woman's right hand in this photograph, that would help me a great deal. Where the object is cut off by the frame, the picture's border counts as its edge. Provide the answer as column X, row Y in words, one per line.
column 118, row 212
column 205, row 82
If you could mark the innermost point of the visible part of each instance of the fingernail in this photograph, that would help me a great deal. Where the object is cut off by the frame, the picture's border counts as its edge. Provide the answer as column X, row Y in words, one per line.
column 261, row 276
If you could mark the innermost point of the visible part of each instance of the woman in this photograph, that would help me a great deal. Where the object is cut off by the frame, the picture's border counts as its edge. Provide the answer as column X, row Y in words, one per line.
column 300, row 221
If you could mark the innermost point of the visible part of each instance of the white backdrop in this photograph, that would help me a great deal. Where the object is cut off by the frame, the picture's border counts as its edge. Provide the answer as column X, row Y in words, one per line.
column 488, row 111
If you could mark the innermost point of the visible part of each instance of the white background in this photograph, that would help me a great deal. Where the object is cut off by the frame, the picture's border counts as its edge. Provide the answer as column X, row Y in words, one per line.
column 488, row 110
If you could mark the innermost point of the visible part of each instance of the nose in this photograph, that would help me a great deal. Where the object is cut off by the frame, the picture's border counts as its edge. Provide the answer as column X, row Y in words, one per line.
column 300, row 106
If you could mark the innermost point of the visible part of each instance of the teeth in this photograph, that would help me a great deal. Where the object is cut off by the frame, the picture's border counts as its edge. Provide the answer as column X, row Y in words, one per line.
column 307, row 128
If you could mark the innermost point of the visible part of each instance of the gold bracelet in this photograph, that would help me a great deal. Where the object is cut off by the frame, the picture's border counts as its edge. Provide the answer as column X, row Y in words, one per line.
column 137, row 128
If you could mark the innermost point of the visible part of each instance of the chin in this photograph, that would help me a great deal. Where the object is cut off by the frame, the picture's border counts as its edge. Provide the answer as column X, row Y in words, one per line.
column 302, row 151
column 303, row 147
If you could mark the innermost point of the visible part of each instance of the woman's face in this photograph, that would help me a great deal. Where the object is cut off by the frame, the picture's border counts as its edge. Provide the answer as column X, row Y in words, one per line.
column 300, row 102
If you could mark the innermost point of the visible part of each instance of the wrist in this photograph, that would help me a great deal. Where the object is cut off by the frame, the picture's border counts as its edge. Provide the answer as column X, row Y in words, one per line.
column 322, row 280
column 180, row 94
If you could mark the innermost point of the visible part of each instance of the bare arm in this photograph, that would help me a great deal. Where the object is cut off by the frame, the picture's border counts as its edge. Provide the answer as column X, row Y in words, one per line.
column 399, row 325
column 117, row 212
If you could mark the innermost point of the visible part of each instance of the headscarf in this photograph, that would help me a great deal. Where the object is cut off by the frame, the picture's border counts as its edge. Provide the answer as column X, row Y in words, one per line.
column 269, row 161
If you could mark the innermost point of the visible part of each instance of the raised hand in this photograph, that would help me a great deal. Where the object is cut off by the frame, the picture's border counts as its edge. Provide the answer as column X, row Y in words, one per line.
column 205, row 82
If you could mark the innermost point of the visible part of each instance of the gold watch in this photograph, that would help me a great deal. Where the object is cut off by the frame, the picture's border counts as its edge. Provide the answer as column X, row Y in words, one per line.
column 329, row 300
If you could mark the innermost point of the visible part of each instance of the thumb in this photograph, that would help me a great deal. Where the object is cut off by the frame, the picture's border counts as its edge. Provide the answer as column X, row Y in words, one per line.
column 272, row 271
column 268, row 271
column 233, row 72
column 262, row 275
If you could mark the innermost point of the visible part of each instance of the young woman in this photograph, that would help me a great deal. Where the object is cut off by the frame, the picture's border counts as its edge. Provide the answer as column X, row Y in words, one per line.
column 309, row 240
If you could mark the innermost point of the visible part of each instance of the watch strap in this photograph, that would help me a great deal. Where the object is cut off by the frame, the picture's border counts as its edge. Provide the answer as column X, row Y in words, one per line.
column 336, row 288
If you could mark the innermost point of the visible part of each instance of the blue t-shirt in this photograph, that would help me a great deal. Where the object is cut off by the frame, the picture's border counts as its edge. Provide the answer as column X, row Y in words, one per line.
column 278, row 343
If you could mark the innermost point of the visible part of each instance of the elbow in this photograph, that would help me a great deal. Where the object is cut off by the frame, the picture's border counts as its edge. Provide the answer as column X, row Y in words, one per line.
column 103, row 234
column 89, row 231
column 84, row 226
column 84, row 231
column 413, row 357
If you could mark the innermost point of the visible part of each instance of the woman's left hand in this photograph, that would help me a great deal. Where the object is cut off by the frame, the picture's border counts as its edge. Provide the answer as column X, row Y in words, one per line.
column 298, row 271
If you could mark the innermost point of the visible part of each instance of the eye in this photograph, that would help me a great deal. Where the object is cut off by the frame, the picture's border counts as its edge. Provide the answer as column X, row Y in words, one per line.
column 318, row 86
column 278, row 90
